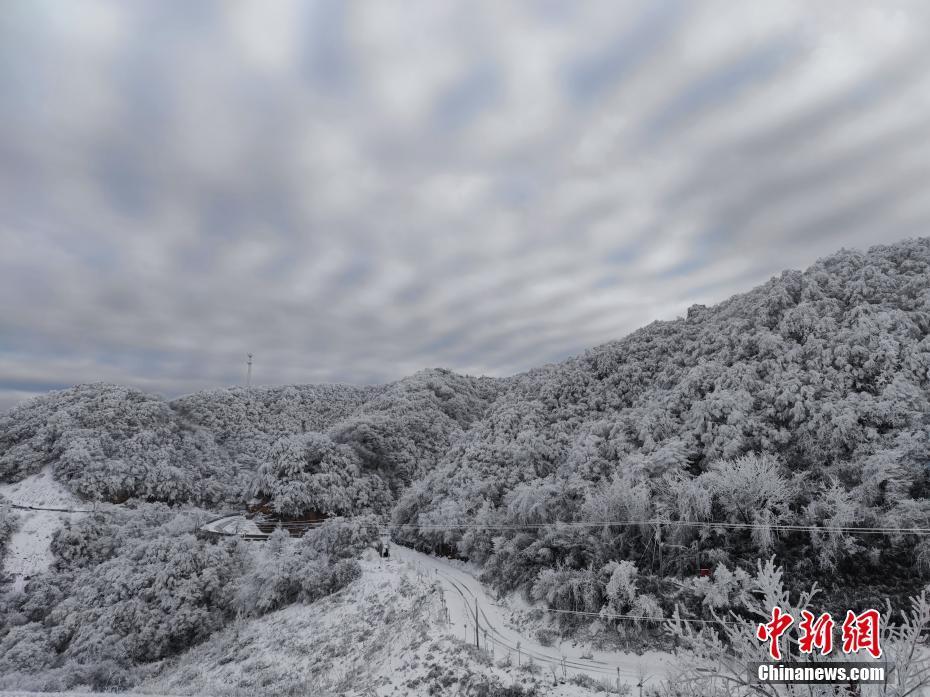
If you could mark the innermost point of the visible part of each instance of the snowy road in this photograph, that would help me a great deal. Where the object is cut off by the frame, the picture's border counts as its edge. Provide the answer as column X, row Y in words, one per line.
column 233, row 524
column 462, row 590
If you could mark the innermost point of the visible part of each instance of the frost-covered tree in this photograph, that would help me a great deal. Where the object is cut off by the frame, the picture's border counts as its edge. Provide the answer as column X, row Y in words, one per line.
column 752, row 490
column 136, row 585
column 621, row 587
column 322, row 562
column 713, row 657
column 310, row 473
column 8, row 523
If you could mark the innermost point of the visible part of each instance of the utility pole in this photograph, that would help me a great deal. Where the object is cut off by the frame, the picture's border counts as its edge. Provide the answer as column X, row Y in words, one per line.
column 248, row 379
column 642, row 679
column 476, row 624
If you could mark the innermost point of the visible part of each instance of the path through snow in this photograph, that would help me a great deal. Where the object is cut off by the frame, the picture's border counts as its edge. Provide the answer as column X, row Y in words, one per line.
column 461, row 590
column 28, row 551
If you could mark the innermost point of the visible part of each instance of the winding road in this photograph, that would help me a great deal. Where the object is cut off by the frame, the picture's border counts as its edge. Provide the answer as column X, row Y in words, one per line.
column 462, row 590
column 462, row 593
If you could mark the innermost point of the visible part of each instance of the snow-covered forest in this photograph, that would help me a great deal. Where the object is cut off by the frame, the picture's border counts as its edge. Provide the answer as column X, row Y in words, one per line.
column 113, row 443
column 136, row 586
column 7, row 526
column 603, row 483
column 801, row 402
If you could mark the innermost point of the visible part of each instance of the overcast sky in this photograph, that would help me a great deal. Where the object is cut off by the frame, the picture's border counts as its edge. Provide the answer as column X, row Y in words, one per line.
column 357, row 191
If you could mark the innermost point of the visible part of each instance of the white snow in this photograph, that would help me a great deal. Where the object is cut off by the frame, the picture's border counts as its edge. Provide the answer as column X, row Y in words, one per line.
column 40, row 490
column 233, row 525
column 461, row 591
column 386, row 634
column 365, row 639
column 28, row 551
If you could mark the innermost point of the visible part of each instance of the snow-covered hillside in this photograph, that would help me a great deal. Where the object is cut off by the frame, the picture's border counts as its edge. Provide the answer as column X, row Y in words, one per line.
column 385, row 634
column 463, row 593
column 28, row 550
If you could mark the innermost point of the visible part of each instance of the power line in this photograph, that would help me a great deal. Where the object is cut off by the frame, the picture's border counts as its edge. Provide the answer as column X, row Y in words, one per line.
column 658, row 522
column 637, row 618
column 605, row 615
column 784, row 527
column 42, row 508
column 575, row 663
column 665, row 523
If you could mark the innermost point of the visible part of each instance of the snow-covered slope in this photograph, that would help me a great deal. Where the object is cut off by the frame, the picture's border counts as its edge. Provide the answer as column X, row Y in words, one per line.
column 28, row 549
column 463, row 593
column 383, row 635
column 41, row 491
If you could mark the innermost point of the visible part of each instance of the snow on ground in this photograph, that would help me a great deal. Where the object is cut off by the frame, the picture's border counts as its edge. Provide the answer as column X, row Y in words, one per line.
column 41, row 490
column 28, row 550
column 461, row 590
column 232, row 525
column 385, row 635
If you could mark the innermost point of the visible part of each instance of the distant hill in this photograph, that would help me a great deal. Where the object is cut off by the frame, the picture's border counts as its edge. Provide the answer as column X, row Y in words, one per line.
column 112, row 442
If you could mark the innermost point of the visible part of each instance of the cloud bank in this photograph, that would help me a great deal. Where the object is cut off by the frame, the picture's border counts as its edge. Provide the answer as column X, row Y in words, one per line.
column 353, row 192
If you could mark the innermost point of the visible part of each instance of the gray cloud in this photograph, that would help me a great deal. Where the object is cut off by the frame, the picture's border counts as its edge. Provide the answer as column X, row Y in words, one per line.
column 357, row 191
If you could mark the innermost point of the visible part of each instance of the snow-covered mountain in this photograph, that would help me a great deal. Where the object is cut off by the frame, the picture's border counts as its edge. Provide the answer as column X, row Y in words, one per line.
column 650, row 473
column 803, row 402
column 115, row 443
